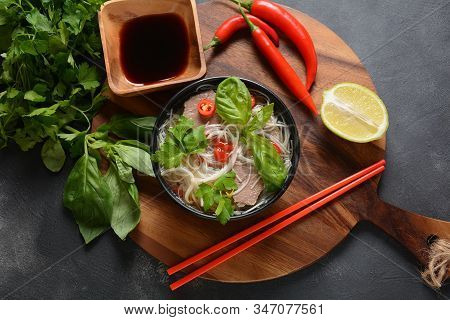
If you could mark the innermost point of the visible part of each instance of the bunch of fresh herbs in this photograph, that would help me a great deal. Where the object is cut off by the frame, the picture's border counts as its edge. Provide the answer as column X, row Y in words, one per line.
column 218, row 195
column 50, row 90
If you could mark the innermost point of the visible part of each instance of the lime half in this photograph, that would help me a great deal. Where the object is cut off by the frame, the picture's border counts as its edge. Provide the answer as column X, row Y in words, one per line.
column 354, row 112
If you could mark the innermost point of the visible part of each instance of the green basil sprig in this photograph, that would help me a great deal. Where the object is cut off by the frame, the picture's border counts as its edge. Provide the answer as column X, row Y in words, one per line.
column 233, row 101
column 99, row 201
column 268, row 162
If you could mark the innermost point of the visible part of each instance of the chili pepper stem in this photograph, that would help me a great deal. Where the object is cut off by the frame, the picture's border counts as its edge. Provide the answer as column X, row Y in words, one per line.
column 246, row 4
column 214, row 43
column 250, row 24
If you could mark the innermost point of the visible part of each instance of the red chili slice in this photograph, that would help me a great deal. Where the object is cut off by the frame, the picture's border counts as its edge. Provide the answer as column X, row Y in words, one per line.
column 225, row 146
column 221, row 155
column 277, row 147
column 206, row 108
column 253, row 101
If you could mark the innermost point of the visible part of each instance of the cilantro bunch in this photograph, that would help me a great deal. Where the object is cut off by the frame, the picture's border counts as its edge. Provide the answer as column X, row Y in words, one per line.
column 182, row 139
column 217, row 196
column 50, row 90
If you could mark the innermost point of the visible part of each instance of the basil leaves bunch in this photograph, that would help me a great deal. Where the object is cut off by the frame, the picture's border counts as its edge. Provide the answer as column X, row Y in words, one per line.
column 99, row 201
column 233, row 103
column 182, row 139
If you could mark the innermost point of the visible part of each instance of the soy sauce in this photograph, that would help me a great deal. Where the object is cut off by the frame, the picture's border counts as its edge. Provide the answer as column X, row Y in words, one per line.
column 154, row 48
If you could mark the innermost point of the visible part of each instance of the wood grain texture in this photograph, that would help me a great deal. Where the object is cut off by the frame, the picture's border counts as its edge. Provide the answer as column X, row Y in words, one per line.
column 170, row 235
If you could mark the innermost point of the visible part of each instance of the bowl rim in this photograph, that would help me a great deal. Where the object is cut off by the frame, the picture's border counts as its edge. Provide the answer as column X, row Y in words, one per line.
column 171, row 104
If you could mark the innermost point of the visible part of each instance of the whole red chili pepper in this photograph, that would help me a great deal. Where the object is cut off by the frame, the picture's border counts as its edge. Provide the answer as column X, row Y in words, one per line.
column 280, row 65
column 235, row 23
column 291, row 27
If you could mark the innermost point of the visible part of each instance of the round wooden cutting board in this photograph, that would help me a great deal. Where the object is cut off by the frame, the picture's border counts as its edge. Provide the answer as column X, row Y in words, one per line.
column 171, row 235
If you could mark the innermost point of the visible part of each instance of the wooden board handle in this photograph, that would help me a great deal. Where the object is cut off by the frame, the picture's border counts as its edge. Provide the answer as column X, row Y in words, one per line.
column 412, row 230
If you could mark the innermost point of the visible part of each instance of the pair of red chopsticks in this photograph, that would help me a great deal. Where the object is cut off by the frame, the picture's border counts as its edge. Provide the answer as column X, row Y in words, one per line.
column 322, row 198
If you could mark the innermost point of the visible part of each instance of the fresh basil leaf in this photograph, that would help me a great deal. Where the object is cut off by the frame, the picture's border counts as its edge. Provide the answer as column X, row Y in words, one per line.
column 126, row 211
column 53, row 155
column 195, row 140
column 233, row 101
column 268, row 162
column 97, row 144
column 169, row 154
column 132, row 127
column 77, row 145
column 89, row 198
column 135, row 157
column 259, row 120
column 181, row 127
column 124, row 170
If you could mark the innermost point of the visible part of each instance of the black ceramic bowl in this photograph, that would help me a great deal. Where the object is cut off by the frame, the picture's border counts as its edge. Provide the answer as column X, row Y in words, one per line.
column 176, row 105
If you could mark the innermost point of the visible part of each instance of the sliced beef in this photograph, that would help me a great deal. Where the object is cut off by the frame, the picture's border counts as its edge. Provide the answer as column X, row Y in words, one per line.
column 249, row 195
column 190, row 108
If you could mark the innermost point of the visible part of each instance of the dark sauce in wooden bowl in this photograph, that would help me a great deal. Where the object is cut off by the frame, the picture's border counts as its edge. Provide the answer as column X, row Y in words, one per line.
column 154, row 48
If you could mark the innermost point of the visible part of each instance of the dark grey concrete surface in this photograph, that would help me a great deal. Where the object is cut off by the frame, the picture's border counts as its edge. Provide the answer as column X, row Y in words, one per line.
column 405, row 47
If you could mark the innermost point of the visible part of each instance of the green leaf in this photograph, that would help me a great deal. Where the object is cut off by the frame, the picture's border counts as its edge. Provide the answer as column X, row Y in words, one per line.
column 268, row 162
column 33, row 96
column 206, row 193
column 259, row 120
column 27, row 46
column 135, row 157
column 87, row 76
column 126, row 212
column 124, row 170
column 98, row 144
column 89, row 197
column 169, row 154
column 3, row 18
column 38, row 21
column 69, row 136
column 40, row 88
column 181, row 127
column 63, row 32
column 77, row 146
column 12, row 93
column 59, row 90
column 224, row 210
column 135, row 143
column 44, row 111
column 226, row 182
column 41, row 46
column 53, row 155
column 233, row 101
column 132, row 127
column 195, row 141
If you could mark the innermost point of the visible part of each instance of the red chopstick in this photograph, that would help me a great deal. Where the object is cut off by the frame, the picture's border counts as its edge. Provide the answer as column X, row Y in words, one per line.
column 279, row 226
column 283, row 213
